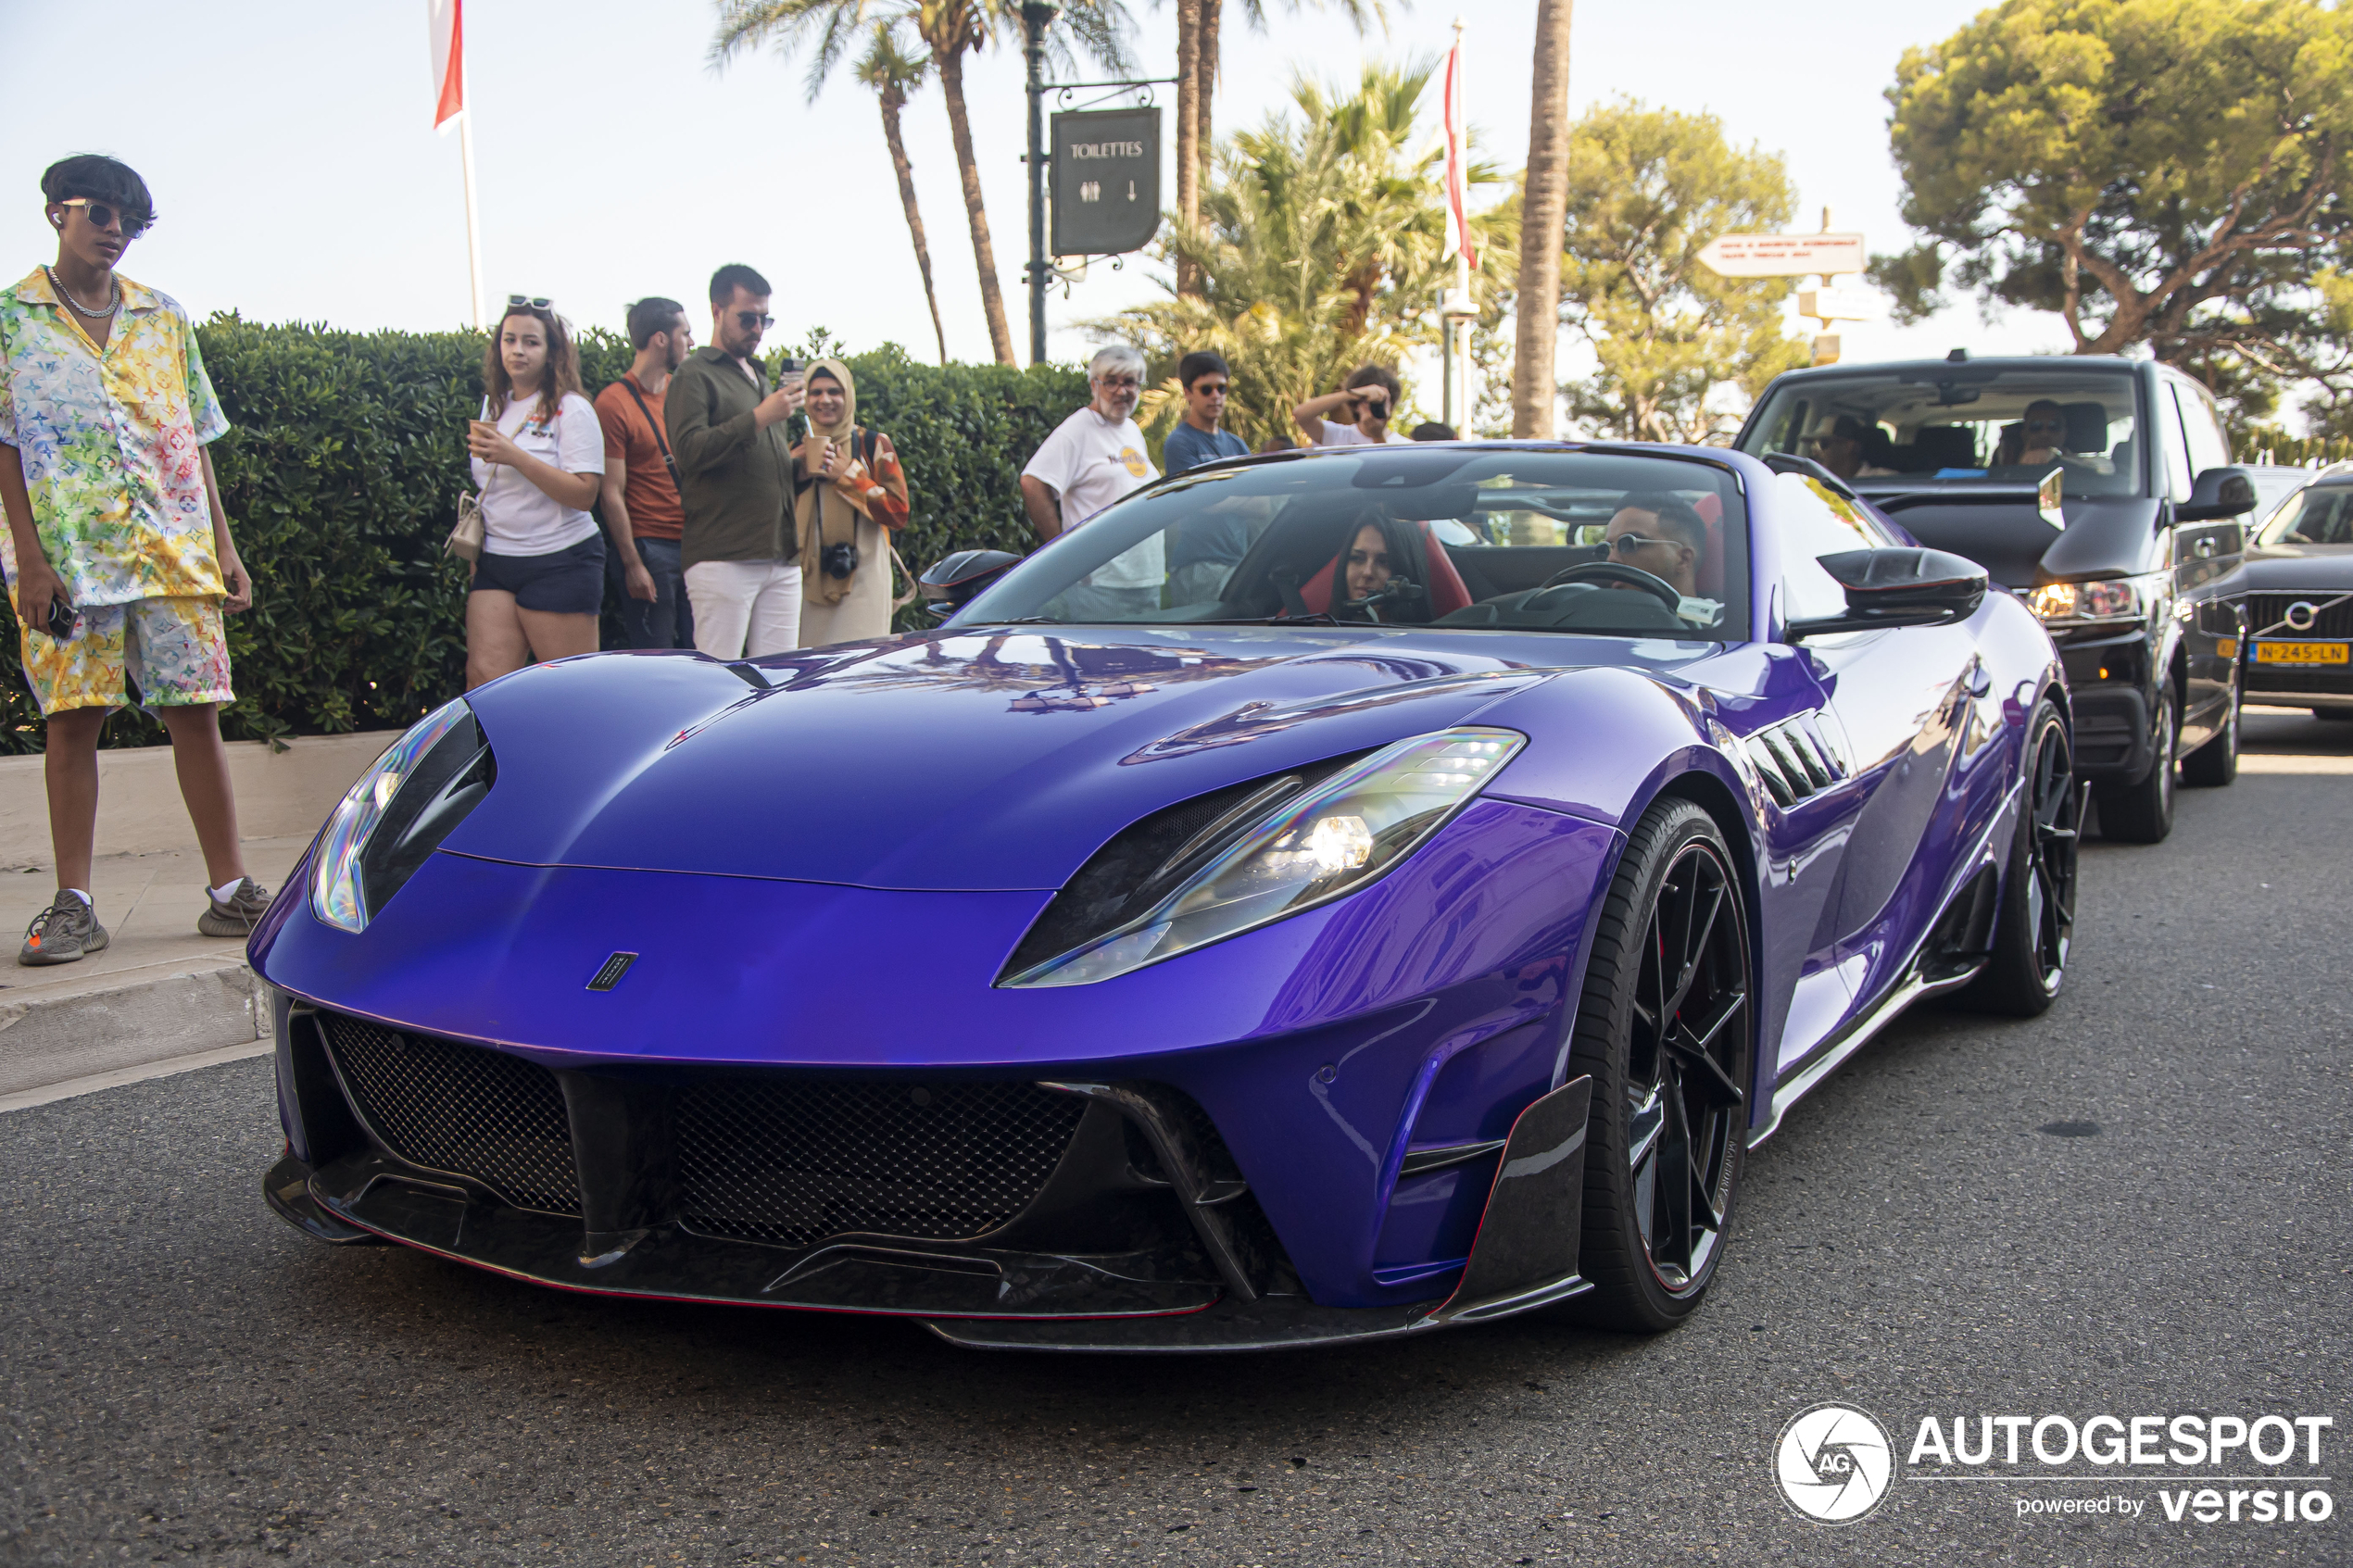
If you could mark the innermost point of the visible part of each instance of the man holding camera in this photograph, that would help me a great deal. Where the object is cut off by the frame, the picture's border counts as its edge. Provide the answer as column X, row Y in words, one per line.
column 118, row 552
column 1369, row 399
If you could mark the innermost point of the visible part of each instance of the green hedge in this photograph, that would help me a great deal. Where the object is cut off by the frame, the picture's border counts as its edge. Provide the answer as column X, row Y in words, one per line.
column 342, row 473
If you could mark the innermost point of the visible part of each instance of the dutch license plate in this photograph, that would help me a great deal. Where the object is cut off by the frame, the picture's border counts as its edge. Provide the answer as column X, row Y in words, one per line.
column 2300, row 653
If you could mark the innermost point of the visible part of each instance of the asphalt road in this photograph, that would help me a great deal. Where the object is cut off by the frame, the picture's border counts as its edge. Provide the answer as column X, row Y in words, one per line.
column 186, row 1378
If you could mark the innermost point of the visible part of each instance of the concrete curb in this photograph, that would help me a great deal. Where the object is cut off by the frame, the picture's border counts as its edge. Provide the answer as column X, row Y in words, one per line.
column 49, row 1094
column 145, row 1017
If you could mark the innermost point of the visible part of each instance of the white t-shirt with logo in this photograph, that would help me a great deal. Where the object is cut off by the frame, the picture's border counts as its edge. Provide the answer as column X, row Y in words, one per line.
column 1089, row 462
column 518, row 518
column 1349, row 435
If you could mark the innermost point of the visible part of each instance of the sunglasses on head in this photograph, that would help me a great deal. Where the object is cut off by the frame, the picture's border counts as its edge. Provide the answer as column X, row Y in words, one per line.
column 532, row 302
column 102, row 215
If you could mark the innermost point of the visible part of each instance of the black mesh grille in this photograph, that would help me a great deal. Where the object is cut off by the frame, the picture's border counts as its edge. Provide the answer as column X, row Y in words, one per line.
column 460, row 1109
column 2266, row 613
column 792, row 1162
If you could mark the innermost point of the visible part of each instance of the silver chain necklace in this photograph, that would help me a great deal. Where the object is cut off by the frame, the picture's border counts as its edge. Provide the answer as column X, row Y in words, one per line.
column 80, row 308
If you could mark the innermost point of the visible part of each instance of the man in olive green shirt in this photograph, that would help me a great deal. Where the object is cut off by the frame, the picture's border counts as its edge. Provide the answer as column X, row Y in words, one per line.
column 736, row 480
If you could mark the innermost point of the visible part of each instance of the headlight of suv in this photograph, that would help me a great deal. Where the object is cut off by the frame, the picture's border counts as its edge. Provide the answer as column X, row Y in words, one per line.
column 2111, row 599
column 1280, row 851
column 398, row 813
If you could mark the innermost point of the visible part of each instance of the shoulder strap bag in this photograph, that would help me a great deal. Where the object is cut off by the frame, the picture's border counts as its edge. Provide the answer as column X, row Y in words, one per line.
column 465, row 540
column 660, row 442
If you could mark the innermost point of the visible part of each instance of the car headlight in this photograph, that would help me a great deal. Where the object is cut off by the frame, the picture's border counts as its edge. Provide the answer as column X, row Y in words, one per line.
column 2117, row 598
column 1270, row 858
column 398, row 813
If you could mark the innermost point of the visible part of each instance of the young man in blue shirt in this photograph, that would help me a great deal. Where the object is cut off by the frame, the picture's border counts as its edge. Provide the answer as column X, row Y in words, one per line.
column 1204, row 551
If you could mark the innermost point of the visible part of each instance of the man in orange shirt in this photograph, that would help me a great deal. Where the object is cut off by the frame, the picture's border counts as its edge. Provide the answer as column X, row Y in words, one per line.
column 642, row 511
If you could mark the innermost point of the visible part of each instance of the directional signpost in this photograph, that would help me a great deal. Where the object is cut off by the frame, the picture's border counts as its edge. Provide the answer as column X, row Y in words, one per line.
column 1783, row 255
column 1792, row 255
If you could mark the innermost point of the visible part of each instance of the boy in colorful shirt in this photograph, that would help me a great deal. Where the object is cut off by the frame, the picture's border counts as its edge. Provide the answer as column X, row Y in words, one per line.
column 118, row 553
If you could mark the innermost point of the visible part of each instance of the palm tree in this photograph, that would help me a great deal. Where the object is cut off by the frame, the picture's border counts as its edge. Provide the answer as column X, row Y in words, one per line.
column 1543, row 207
column 1197, row 59
column 893, row 73
column 950, row 29
column 1320, row 245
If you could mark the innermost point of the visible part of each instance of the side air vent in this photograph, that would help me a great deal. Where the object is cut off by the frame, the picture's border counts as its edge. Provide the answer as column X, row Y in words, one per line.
column 1795, row 761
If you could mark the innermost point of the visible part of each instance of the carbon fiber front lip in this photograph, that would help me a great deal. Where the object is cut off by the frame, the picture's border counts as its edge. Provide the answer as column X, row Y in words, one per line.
column 368, row 1195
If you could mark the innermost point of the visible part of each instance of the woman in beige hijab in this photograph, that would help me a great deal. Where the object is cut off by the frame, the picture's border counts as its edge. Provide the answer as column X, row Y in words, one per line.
column 850, row 494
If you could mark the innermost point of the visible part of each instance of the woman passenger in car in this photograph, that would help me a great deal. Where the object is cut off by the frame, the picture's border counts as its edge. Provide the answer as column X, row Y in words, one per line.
column 1366, row 569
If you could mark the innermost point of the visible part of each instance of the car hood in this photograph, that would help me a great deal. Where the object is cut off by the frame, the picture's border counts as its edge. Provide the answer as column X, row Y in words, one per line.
column 960, row 761
column 2289, row 568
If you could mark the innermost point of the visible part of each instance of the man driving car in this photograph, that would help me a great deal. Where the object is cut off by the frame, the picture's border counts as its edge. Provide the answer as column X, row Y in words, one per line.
column 1661, row 535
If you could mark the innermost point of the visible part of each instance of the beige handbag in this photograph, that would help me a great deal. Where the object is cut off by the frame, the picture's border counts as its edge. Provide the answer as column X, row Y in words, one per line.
column 465, row 540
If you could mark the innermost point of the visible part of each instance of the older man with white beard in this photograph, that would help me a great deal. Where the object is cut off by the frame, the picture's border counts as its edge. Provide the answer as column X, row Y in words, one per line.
column 1093, row 458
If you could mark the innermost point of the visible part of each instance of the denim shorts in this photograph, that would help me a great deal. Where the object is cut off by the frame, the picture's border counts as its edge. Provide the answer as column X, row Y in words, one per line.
column 566, row 582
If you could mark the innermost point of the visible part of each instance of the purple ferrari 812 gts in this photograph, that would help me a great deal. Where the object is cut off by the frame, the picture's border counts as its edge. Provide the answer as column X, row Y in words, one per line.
column 1326, row 896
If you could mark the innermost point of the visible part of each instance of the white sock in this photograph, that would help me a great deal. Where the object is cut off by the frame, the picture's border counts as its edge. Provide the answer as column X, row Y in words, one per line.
column 220, row 895
column 80, row 895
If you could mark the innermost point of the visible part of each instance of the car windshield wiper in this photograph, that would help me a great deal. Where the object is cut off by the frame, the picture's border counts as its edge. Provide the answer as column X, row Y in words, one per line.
column 1313, row 618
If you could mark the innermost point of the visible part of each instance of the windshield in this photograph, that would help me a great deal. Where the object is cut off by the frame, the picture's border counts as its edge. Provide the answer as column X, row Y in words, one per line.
column 1961, row 424
column 2321, row 515
column 1446, row 536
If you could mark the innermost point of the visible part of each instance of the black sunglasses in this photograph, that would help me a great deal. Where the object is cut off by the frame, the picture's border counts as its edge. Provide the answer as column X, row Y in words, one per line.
column 2047, row 424
column 535, row 302
column 748, row 320
column 103, row 215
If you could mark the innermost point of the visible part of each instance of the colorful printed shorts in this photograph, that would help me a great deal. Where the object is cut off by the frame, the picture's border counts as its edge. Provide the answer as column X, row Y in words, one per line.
column 174, row 651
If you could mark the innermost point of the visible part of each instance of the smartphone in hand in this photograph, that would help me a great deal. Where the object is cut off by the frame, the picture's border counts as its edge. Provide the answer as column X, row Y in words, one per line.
column 64, row 620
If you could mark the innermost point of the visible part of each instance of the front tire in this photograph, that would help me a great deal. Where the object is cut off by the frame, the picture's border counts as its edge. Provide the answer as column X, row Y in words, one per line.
column 2217, row 762
column 2142, row 813
column 2034, row 924
column 1666, row 1029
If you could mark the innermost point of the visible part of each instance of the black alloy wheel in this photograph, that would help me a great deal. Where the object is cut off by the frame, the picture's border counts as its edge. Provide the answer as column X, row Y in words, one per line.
column 1666, row 1029
column 2142, row 813
column 2034, row 924
column 2217, row 762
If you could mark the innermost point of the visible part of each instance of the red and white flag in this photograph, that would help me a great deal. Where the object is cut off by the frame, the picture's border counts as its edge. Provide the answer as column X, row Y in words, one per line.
column 1457, row 152
column 445, row 21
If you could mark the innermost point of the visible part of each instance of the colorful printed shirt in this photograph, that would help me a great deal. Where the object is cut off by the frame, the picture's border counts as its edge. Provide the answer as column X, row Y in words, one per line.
column 111, row 441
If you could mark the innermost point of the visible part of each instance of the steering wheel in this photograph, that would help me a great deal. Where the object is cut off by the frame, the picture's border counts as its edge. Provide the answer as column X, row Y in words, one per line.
column 1618, row 571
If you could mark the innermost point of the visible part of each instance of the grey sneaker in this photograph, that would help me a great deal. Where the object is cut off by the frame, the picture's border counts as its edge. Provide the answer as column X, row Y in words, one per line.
column 63, row 933
column 238, row 914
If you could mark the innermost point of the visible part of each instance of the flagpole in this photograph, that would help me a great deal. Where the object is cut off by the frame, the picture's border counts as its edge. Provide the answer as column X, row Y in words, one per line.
column 473, row 228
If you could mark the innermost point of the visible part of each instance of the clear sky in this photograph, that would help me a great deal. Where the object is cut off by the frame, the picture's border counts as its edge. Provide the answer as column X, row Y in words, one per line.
column 298, row 177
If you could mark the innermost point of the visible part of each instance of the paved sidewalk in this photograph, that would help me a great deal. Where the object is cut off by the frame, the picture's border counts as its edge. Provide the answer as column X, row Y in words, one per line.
column 159, row 991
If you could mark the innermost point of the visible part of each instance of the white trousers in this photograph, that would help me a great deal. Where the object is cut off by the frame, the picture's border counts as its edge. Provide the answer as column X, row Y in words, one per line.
column 744, row 609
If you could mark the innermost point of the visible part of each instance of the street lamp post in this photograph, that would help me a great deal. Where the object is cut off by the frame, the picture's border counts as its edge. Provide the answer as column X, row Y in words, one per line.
column 1036, row 16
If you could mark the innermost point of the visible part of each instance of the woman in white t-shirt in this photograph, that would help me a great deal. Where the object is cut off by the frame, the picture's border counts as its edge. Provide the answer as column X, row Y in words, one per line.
column 538, row 458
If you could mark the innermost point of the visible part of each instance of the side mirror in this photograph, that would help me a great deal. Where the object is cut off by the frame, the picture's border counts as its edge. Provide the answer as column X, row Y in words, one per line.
column 2219, row 493
column 949, row 582
column 1897, row 586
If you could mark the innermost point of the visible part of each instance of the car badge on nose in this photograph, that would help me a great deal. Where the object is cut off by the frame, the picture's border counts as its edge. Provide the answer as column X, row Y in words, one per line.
column 609, row 972
column 2301, row 614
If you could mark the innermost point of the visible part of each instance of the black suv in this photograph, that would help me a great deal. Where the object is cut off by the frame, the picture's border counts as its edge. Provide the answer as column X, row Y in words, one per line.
column 2099, row 489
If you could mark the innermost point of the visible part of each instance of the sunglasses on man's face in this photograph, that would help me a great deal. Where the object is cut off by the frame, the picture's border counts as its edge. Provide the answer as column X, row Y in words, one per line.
column 103, row 215
column 2054, row 427
column 1116, row 384
column 1626, row 544
column 753, row 321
